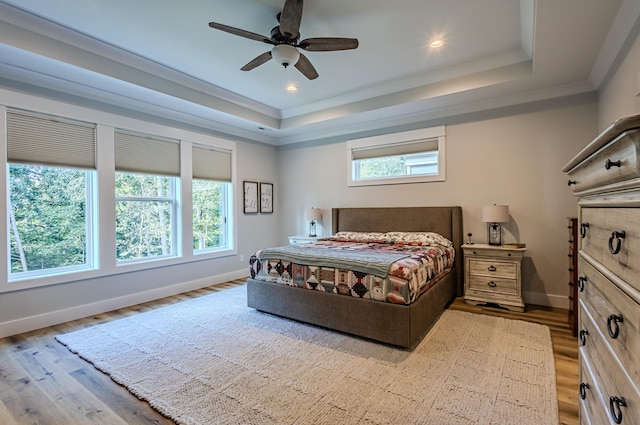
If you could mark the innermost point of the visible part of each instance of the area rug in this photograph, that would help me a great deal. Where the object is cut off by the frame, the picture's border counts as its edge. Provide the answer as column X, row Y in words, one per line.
column 213, row 360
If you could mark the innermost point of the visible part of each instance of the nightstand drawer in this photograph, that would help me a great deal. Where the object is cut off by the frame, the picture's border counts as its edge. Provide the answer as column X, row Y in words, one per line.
column 497, row 252
column 492, row 284
column 302, row 240
column 493, row 268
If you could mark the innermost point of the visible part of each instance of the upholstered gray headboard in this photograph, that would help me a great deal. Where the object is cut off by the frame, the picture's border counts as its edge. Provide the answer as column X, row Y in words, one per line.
column 446, row 221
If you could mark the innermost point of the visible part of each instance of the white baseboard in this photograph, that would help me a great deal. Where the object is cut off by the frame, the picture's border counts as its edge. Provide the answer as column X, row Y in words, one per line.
column 44, row 320
column 549, row 300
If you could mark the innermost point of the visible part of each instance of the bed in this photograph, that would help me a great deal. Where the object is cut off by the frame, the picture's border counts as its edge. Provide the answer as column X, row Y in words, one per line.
column 401, row 325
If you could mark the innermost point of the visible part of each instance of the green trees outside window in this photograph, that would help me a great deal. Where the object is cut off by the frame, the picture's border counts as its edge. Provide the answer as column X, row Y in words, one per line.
column 209, row 218
column 145, row 216
column 48, row 220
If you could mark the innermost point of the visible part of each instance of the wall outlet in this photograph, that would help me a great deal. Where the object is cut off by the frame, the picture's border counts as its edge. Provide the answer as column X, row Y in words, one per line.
column 241, row 256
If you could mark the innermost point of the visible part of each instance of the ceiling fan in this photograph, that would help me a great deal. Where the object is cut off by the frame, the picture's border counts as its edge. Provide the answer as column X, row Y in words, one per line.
column 286, row 40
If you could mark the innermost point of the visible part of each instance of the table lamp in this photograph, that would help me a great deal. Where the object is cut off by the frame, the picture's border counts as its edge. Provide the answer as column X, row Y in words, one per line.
column 494, row 215
column 313, row 214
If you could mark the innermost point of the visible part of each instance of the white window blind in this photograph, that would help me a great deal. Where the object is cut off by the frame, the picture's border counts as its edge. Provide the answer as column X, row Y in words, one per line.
column 41, row 139
column 147, row 154
column 211, row 164
column 396, row 149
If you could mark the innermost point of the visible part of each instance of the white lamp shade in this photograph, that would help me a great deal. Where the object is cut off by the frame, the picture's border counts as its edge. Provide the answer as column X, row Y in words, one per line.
column 314, row 214
column 285, row 54
column 495, row 214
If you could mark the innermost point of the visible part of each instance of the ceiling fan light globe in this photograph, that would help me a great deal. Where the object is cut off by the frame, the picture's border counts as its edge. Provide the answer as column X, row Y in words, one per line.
column 285, row 54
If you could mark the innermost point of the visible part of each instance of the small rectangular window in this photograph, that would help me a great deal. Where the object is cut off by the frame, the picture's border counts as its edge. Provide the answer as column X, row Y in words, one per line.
column 407, row 157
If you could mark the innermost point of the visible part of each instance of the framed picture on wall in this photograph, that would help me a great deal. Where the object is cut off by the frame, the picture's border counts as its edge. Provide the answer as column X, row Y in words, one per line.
column 250, row 197
column 266, row 197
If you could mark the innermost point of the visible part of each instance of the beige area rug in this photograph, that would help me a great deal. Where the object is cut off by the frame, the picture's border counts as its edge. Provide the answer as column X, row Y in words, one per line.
column 212, row 360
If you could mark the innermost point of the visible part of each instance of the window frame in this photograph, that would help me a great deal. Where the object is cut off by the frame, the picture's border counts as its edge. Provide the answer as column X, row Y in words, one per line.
column 228, row 211
column 396, row 140
column 104, row 200
column 175, row 225
column 90, row 227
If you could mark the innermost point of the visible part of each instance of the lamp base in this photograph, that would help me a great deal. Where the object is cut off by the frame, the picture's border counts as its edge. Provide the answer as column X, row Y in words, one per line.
column 312, row 229
column 494, row 234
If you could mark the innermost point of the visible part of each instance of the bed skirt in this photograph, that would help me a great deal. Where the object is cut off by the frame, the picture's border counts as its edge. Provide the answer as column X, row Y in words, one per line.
column 394, row 324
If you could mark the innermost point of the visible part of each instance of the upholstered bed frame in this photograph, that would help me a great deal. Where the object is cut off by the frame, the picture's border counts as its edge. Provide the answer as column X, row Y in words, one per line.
column 400, row 325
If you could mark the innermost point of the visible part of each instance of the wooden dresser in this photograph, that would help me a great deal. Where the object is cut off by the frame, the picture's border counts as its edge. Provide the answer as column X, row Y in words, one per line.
column 573, row 274
column 606, row 177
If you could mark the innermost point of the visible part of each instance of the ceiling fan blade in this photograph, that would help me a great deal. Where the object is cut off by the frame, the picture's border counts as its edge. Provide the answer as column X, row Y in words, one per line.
column 266, row 56
column 303, row 65
column 327, row 44
column 291, row 18
column 241, row 33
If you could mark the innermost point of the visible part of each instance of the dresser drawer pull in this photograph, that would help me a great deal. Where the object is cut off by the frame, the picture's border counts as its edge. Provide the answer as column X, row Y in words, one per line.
column 609, row 163
column 570, row 182
column 492, row 268
column 492, row 284
column 615, row 403
column 617, row 237
column 581, row 281
column 583, row 390
column 583, row 337
column 583, row 229
column 614, row 319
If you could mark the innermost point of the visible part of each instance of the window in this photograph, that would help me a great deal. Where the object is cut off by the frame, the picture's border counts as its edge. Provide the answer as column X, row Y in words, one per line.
column 211, row 186
column 147, row 176
column 86, row 200
column 51, row 171
column 407, row 157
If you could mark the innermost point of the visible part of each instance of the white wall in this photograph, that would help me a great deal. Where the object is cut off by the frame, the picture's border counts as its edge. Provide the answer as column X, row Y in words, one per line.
column 505, row 157
column 27, row 309
column 620, row 96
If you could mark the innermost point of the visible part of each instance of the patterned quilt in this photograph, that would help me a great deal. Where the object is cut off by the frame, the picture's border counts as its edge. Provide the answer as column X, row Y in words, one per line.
column 414, row 265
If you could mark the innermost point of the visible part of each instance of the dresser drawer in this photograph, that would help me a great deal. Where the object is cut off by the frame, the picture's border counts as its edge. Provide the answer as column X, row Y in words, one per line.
column 615, row 314
column 602, row 168
column 493, row 268
column 493, row 285
column 601, row 242
column 612, row 379
column 592, row 407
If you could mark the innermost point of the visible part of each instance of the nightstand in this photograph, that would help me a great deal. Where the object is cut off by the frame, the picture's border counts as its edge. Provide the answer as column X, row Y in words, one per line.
column 300, row 240
column 493, row 275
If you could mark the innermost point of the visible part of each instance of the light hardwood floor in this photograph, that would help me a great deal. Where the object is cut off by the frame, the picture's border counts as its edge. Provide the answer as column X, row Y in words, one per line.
column 41, row 382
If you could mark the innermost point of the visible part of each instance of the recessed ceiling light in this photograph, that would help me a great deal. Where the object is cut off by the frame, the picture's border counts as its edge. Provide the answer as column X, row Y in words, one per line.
column 292, row 88
column 437, row 43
